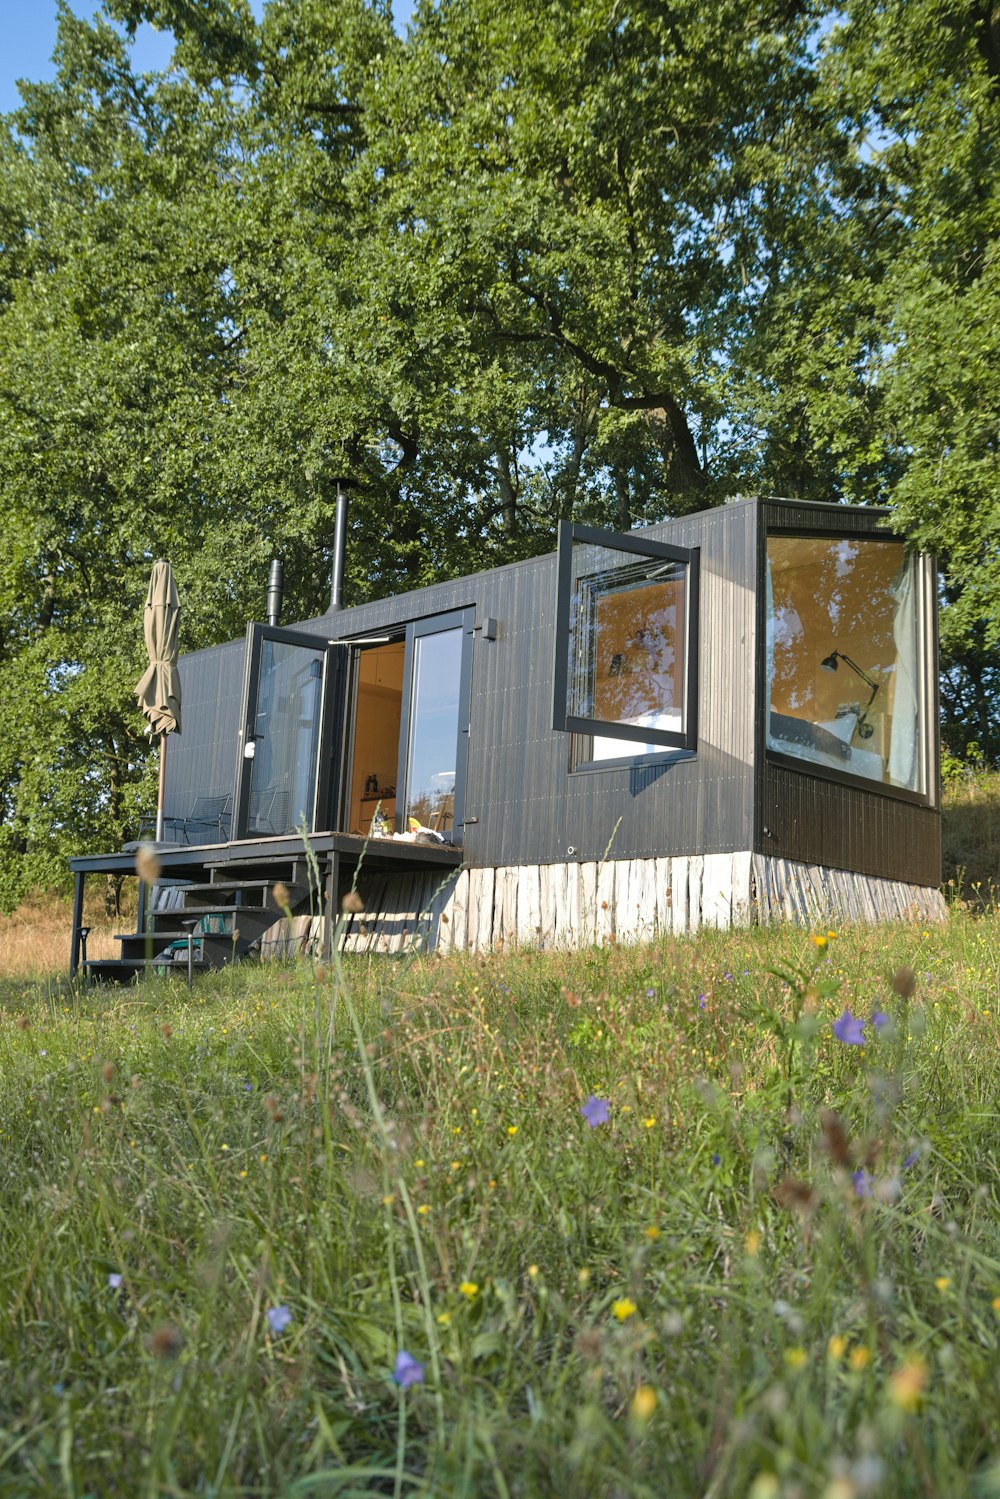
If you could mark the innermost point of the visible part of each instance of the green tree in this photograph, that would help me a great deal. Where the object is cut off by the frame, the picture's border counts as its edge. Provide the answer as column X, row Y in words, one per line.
column 611, row 261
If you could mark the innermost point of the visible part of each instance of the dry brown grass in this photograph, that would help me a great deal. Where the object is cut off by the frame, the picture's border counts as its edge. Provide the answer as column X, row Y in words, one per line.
column 34, row 941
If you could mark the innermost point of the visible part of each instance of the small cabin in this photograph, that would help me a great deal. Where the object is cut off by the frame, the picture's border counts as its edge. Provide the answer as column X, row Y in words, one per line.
column 727, row 718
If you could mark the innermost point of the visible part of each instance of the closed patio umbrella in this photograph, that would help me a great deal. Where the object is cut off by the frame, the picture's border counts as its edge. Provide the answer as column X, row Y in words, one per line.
column 159, row 687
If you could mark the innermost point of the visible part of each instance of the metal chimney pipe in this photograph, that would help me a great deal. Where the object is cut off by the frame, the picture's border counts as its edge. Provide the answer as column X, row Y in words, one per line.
column 275, row 591
column 339, row 551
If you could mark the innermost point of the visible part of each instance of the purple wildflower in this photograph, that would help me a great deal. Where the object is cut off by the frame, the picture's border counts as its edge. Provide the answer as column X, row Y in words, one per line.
column 278, row 1318
column 716, row 1160
column 596, row 1111
column 879, row 1019
column 650, row 993
column 849, row 1029
column 114, row 1280
column 408, row 1370
column 911, row 1159
column 701, row 1001
column 862, row 1182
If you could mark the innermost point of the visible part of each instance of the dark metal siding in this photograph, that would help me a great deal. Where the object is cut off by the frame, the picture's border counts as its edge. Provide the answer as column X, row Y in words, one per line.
column 201, row 759
column 819, row 822
column 530, row 808
column 815, row 820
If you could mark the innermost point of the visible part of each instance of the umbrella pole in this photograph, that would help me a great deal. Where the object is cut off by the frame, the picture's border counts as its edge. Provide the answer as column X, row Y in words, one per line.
column 159, row 798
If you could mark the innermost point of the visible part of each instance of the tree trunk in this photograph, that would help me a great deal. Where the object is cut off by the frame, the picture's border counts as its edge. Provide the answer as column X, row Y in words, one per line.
column 508, row 492
column 685, row 476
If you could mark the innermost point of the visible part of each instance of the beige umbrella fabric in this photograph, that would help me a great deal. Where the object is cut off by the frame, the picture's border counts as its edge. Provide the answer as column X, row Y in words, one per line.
column 159, row 687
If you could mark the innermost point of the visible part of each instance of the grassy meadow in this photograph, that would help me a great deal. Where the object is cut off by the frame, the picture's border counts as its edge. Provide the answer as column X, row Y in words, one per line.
column 639, row 1222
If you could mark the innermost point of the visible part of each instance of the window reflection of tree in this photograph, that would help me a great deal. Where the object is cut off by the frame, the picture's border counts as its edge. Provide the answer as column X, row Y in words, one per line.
column 830, row 595
column 636, row 647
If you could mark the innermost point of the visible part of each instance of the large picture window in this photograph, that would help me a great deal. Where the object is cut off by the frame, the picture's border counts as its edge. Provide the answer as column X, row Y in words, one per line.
column 625, row 657
column 845, row 660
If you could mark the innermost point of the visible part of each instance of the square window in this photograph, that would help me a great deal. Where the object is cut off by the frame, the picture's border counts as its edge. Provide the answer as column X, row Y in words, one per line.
column 625, row 659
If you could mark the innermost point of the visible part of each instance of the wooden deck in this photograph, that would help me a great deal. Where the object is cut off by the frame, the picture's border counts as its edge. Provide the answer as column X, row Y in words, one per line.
column 323, row 866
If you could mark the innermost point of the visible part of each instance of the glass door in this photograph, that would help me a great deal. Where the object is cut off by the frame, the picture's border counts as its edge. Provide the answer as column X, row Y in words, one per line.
column 434, row 737
column 293, row 701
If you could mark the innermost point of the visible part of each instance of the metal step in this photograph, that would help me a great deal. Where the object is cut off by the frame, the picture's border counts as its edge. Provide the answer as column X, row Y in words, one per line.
column 123, row 970
column 254, row 882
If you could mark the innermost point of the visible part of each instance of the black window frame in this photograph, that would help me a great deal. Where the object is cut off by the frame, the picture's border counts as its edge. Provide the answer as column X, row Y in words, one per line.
column 928, row 651
column 565, row 722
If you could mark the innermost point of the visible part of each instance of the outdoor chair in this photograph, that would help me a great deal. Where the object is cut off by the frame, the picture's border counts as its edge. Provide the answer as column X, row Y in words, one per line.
column 208, row 821
column 268, row 813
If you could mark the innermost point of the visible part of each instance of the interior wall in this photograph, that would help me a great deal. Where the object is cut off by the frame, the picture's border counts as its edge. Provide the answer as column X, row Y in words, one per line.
column 376, row 734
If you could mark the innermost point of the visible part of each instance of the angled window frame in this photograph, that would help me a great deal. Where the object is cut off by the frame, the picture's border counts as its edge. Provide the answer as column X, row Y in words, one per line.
column 633, row 543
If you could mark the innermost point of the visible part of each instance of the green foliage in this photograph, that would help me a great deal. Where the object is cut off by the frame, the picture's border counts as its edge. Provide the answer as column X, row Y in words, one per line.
column 774, row 1271
column 528, row 262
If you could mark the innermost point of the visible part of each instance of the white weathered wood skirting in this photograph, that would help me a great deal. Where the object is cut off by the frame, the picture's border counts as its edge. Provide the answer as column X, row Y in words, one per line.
column 623, row 900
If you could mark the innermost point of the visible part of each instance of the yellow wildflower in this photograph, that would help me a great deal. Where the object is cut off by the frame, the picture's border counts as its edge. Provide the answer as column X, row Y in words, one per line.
column 643, row 1403
column 469, row 1289
column 624, row 1308
column 860, row 1359
column 906, row 1385
column 837, row 1346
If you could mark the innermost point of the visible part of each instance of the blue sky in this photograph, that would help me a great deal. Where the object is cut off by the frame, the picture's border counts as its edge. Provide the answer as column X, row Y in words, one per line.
column 28, row 29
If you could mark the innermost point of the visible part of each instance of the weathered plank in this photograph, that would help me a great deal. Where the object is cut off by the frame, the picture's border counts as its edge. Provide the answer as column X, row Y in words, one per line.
column 605, row 900
column 696, row 868
column 529, row 905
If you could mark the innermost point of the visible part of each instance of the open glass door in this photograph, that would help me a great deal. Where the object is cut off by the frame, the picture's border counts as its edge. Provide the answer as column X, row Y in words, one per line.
column 434, row 738
column 293, row 713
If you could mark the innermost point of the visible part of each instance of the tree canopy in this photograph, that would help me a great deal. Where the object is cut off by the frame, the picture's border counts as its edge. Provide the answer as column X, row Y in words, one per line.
column 614, row 261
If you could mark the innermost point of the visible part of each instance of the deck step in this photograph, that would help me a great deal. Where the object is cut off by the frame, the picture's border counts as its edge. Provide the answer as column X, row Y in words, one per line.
column 253, row 882
column 182, row 912
column 122, row 970
column 245, row 906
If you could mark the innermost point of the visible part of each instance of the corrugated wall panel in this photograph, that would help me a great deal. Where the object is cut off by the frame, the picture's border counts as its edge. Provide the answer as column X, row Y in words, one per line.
column 201, row 759
column 530, row 808
column 816, row 821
